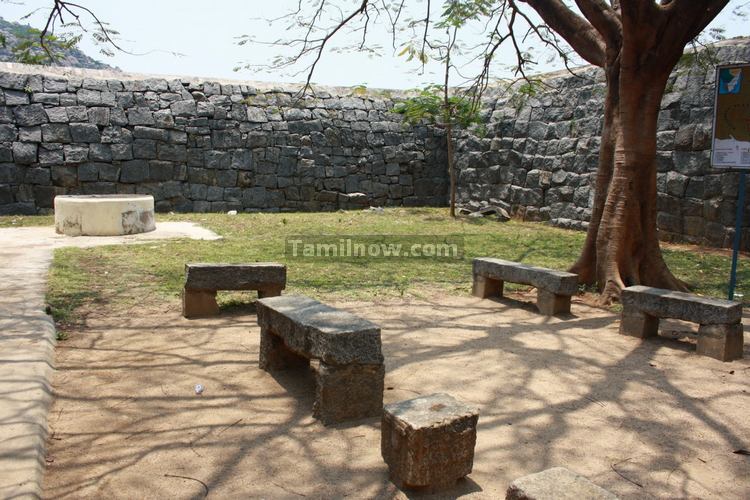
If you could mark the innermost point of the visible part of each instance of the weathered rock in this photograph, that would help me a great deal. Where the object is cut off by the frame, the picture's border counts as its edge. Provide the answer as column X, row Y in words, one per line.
column 557, row 483
column 559, row 282
column 28, row 116
column 347, row 392
column 335, row 337
column 345, row 350
column 428, row 442
column 720, row 335
column 256, row 276
column 85, row 132
column 24, row 152
column 685, row 306
column 56, row 132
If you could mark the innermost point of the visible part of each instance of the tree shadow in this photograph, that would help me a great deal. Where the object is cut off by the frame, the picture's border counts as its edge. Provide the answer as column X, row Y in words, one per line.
column 632, row 416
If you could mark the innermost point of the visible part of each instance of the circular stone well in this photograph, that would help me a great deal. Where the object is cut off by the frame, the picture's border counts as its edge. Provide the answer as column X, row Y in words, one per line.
column 104, row 215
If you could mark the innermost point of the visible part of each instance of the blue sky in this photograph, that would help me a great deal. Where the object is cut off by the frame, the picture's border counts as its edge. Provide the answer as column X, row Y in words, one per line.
column 205, row 33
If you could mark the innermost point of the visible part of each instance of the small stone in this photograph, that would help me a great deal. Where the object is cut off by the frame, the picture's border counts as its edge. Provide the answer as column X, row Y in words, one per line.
column 85, row 132
column 16, row 97
column 24, row 152
column 56, row 132
column 28, row 116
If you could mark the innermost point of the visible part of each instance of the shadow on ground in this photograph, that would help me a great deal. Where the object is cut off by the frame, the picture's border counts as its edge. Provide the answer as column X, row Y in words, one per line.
column 638, row 418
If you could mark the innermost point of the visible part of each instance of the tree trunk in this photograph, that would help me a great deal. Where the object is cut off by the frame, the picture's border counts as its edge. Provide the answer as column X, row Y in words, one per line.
column 622, row 245
column 451, row 168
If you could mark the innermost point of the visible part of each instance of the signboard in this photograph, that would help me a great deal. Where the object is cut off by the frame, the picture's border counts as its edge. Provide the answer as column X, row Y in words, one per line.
column 731, row 135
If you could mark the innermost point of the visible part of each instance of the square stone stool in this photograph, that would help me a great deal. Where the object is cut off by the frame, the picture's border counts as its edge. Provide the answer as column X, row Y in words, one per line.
column 428, row 442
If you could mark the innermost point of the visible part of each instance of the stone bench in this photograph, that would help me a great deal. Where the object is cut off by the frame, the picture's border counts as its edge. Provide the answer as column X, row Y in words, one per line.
column 348, row 363
column 719, row 336
column 554, row 288
column 557, row 483
column 428, row 442
column 202, row 281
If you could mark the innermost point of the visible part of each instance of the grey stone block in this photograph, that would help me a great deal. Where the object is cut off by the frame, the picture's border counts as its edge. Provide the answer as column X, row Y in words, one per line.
column 85, row 132
column 16, row 97
column 29, row 134
column 75, row 153
column 28, row 116
column 56, row 132
column 24, row 152
column 134, row 171
column 98, row 116
column 100, row 152
column 140, row 116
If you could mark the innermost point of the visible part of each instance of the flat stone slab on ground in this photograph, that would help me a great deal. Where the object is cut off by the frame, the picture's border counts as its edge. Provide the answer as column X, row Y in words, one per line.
column 317, row 330
column 687, row 306
column 428, row 442
column 557, row 483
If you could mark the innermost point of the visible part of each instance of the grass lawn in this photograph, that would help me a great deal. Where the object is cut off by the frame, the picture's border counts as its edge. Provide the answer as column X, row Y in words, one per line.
column 119, row 277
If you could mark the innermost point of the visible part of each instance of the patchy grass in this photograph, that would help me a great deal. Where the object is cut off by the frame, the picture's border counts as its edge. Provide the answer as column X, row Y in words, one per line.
column 122, row 277
column 26, row 220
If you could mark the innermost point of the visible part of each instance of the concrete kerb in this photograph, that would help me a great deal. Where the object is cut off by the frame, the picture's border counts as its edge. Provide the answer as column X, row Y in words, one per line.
column 27, row 343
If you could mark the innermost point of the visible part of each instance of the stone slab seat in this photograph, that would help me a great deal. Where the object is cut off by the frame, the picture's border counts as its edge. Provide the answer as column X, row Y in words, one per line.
column 346, row 350
column 720, row 334
column 557, row 483
column 554, row 288
column 203, row 280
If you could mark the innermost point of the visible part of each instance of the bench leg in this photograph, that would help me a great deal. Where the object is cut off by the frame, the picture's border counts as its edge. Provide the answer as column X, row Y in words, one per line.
column 199, row 303
column 275, row 355
column 347, row 392
column 550, row 304
column 722, row 342
column 637, row 324
column 269, row 292
column 484, row 287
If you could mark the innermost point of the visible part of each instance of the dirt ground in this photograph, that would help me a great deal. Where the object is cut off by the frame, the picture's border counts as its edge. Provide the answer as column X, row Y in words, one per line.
column 641, row 419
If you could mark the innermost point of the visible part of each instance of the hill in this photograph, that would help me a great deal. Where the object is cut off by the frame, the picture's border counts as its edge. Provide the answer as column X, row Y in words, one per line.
column 74, row 57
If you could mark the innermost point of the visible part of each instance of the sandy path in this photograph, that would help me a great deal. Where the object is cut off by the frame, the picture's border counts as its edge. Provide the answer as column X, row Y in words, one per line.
column 640, row 419
column 27, row 339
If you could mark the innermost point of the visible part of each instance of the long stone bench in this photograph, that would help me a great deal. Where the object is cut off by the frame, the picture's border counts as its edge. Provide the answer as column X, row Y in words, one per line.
column 720, row 334
column 554, row 288
column 345, row 349
column 202, row 281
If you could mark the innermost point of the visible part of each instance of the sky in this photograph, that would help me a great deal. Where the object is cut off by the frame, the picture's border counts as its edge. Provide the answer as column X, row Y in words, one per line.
column 199, row 38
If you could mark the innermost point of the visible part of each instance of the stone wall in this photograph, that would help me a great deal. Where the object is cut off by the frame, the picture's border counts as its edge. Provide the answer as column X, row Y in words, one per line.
column 207, row 146
column 539, row 157
column 201, row 145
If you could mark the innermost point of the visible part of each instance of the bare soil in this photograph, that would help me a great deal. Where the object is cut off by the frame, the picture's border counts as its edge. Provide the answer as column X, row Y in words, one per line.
column 641, row 419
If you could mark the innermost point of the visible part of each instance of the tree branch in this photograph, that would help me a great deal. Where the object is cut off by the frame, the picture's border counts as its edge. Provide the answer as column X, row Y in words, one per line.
column 692, row 17
column 581, row 35
column 603, row 17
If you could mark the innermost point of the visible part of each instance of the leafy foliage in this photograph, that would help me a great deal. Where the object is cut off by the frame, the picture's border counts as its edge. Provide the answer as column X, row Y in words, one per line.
column 429, row 106
column 33, row 48
column 524, row 92
column 22, row 43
